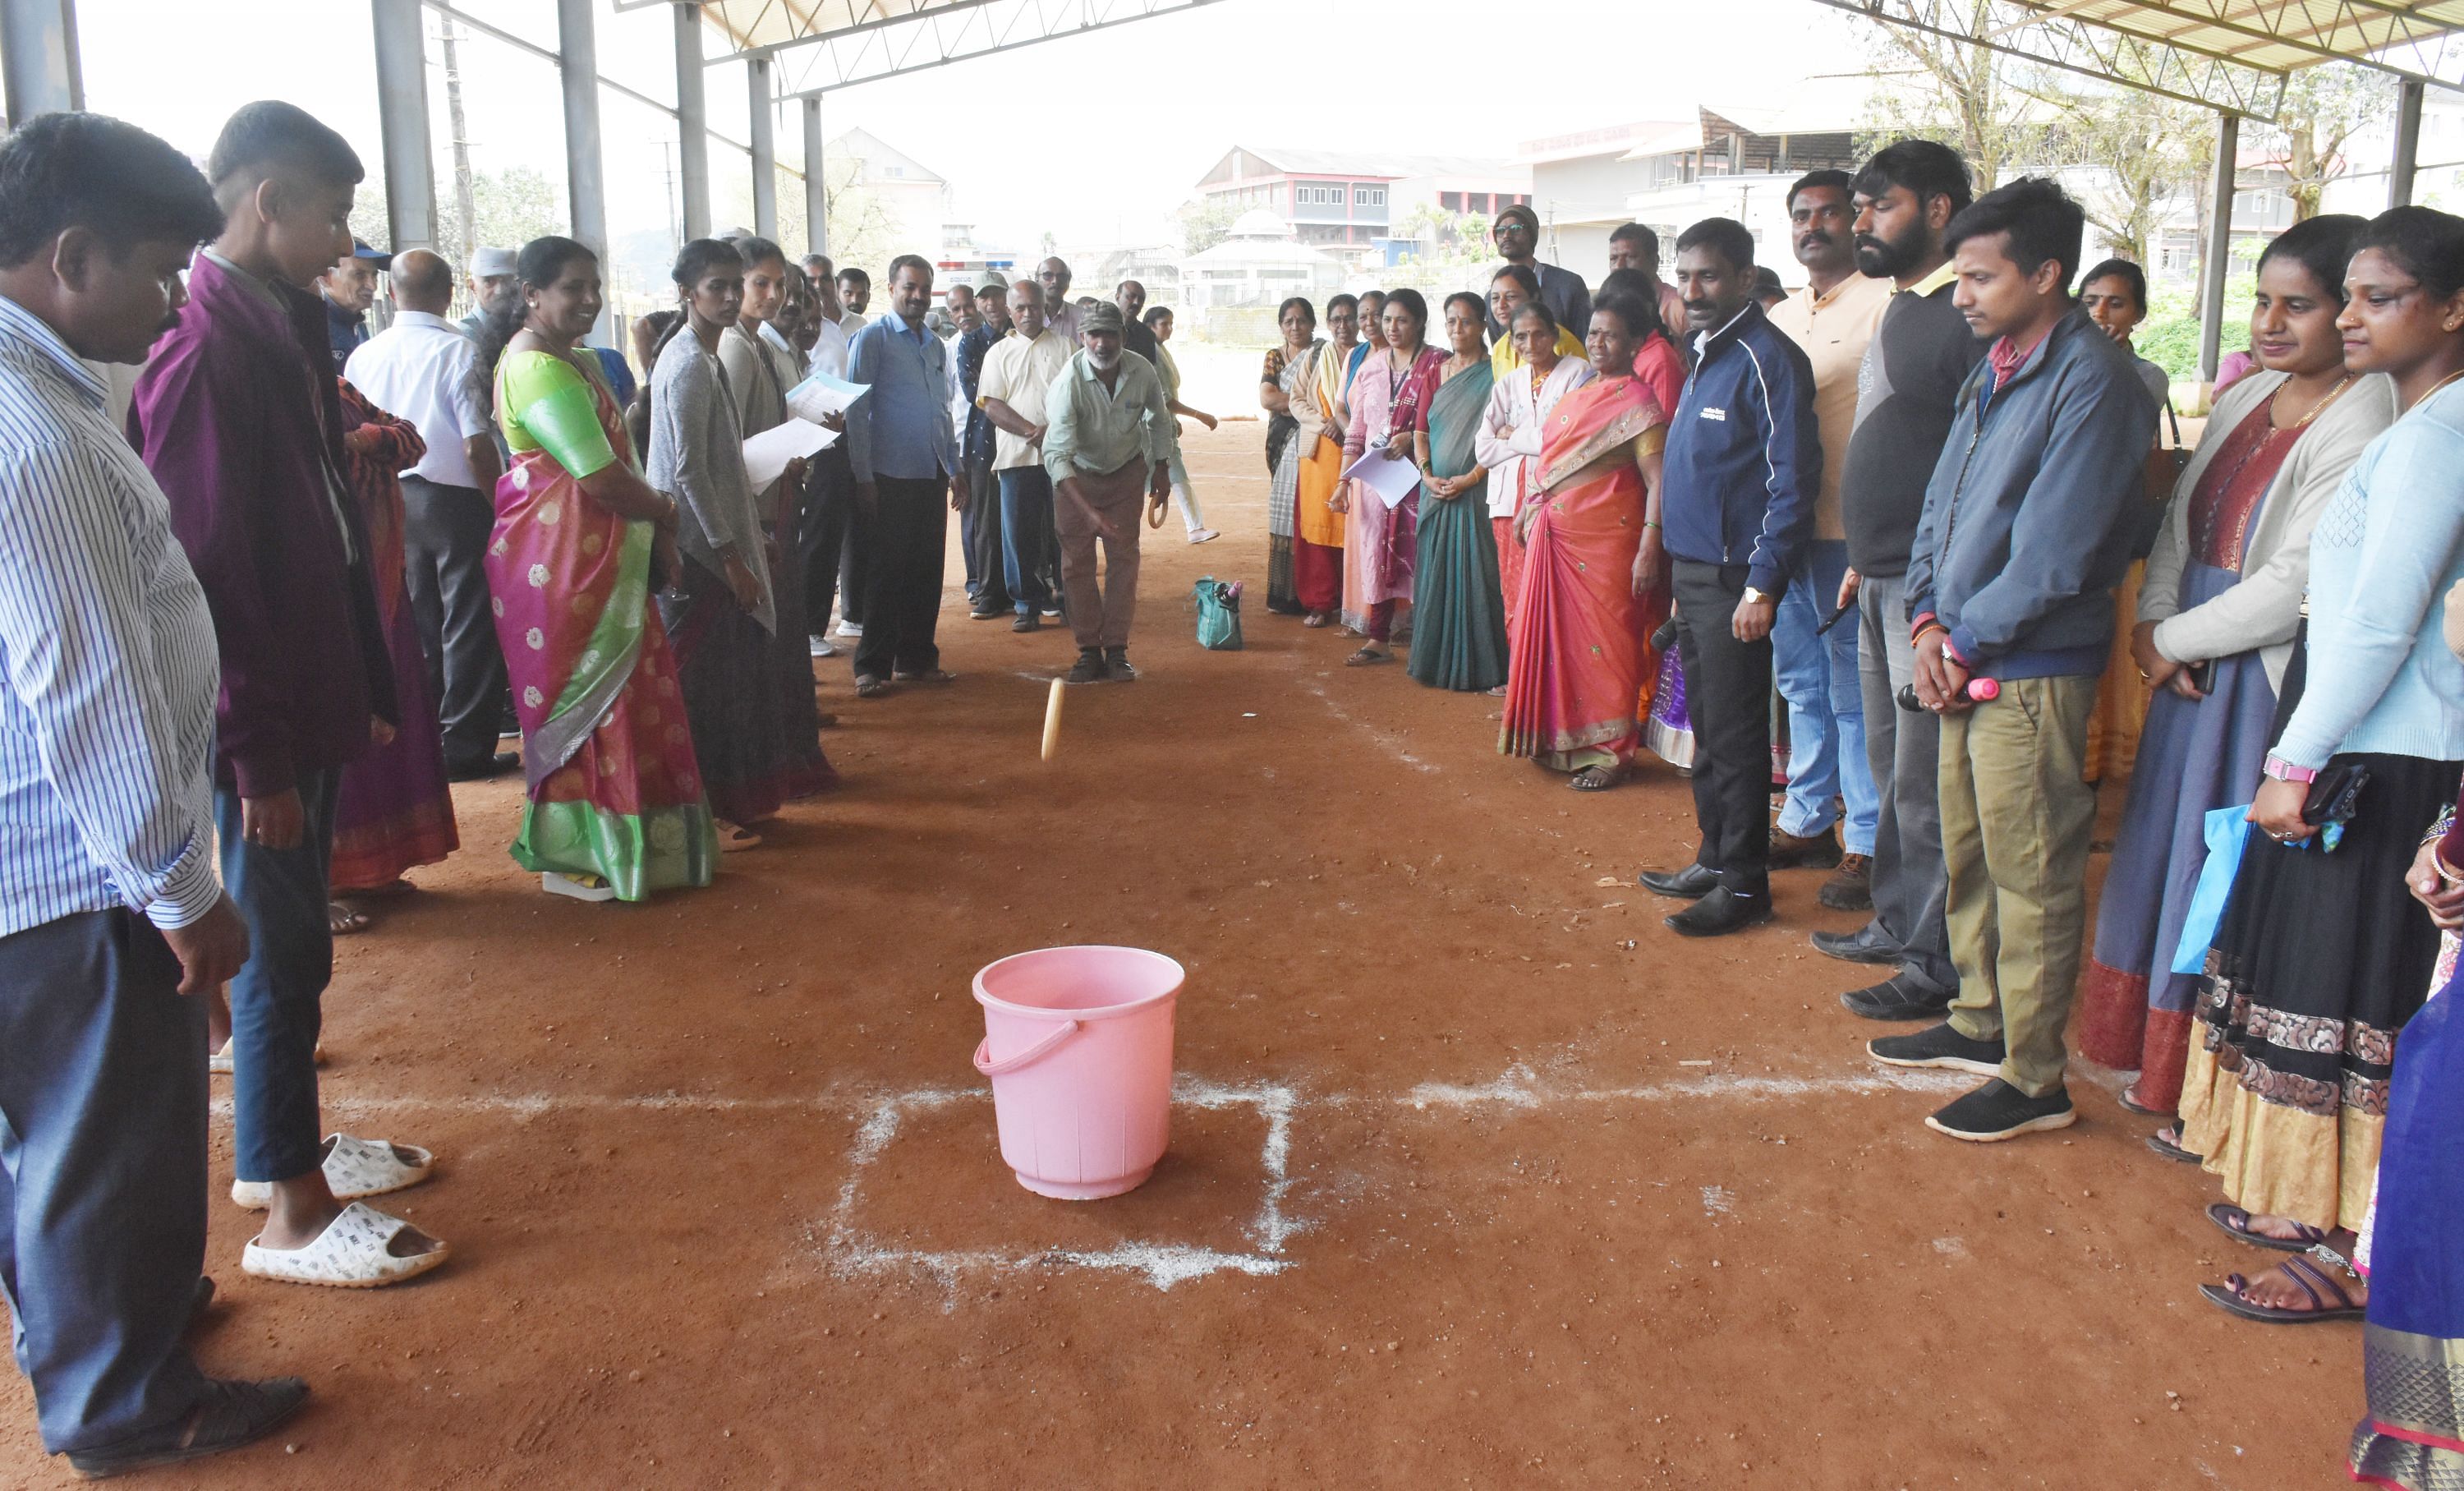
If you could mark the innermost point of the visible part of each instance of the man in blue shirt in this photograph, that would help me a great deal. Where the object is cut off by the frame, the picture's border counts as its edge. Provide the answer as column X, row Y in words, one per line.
column 904, row 454
column 1738, row 483
column 113, row 927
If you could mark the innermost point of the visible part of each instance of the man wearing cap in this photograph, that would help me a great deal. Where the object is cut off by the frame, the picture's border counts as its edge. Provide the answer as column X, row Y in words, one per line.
column 979, row 526
column 1107, row 436
column 495, row 284
column 349, row 288
column 1517, row 234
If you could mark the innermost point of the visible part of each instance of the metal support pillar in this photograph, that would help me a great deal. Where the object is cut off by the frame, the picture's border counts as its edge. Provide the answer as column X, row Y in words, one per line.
column 585, row 168
column 817, row 195
column 2408, row 142
column 402, row 124
column 762, row 133
column 693, row 123
column 39, row 58
column 2220, row 212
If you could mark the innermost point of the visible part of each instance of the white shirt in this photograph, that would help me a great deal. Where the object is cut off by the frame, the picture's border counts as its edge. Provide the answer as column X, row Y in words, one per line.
column 419, row 370
column 830, row 346
column 1020, row 373
column 1513, row 461
column 108, row 671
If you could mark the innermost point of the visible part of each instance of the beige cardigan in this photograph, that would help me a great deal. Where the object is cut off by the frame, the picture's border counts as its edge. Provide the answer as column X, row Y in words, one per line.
column 2263, row 608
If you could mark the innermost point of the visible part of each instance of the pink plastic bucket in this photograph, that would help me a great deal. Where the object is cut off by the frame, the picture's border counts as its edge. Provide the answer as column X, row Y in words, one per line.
column 1078, row 1044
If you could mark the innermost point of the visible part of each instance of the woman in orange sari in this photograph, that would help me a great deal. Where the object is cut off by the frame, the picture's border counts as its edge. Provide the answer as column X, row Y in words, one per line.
column 1592, row 558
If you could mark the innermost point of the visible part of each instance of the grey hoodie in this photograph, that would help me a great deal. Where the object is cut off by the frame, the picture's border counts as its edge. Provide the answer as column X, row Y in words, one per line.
column 2030, row 516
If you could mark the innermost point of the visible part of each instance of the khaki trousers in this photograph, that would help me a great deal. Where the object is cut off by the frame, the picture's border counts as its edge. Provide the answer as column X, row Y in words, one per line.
column 1101, row 618
column 2016, row 821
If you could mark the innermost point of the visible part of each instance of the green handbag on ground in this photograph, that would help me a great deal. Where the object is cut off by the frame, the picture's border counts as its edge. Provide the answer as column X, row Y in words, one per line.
column 1218, row 615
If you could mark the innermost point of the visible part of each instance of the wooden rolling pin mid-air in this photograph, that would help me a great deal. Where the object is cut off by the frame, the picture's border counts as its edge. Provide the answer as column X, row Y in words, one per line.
column 1052, row 719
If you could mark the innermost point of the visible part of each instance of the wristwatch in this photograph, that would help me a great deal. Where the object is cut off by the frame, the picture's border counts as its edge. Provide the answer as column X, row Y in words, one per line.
column 1754, row 597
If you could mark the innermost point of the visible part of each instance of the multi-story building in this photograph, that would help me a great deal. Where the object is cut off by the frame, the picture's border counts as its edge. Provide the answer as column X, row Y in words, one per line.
column 912, row 200
column 1339, row 199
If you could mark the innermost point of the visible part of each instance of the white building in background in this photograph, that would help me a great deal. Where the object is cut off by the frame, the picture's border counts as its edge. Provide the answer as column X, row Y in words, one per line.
column 912, row 198
column 1729, row 160
column 1260, row 263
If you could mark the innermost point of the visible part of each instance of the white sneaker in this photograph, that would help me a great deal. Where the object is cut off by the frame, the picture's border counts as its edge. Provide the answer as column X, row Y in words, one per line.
column 849, row 628
column 823, row 647
column 1201, row 535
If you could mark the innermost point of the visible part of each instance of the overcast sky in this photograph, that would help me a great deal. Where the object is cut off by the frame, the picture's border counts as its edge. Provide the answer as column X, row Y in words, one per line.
column 1096, row 138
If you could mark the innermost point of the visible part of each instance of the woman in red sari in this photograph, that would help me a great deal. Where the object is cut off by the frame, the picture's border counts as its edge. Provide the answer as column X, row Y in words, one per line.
column 616, row 808
column 394, row 811
column 1592, row 558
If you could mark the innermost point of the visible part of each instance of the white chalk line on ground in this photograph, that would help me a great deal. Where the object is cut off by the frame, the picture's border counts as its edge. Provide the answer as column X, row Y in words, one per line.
column 852, row 1252
column 1387, row 740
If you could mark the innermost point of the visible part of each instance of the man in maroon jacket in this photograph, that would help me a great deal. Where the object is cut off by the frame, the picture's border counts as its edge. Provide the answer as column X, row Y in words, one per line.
column 238, row 416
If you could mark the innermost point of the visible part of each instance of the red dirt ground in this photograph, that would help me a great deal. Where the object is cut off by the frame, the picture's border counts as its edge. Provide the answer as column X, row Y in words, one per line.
column 1665, row 1230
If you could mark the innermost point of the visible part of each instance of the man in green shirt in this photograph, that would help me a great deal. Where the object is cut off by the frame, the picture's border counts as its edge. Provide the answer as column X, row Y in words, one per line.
column 1108, row 438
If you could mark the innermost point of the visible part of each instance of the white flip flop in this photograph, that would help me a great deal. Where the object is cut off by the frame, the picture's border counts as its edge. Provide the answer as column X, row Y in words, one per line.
column 353, row 1167
column 592, row 889
column 350, row 1253
column 219, row 1063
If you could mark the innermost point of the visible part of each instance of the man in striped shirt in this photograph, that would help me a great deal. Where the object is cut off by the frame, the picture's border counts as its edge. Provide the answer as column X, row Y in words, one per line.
column 111, row 916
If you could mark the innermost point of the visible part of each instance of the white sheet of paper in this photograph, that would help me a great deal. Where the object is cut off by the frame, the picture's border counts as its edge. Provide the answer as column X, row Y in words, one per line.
column 1392, row 479
column 821, row 395
column 766, row 455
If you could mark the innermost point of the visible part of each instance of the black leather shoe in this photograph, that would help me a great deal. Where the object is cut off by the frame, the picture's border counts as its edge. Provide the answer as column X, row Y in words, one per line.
column 1089, row 669
column 1897, row 999
column 484, row 767
column 1720, row 913
column 228, row 1415
column 1024, row 621
column 1865, row 944
column 1691, row 884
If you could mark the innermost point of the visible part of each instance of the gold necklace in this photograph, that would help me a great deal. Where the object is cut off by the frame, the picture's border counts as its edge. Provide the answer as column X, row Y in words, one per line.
column 2432, row 388
column 2325, row 399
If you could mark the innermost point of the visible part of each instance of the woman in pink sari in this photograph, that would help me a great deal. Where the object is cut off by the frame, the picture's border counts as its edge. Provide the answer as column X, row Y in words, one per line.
column 1389, row 396
column 616, row 808
column 1591, row 559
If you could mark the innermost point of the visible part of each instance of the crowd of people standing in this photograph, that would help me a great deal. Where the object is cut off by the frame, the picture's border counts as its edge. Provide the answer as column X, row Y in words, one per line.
column 265, row 620
column 1936, row 437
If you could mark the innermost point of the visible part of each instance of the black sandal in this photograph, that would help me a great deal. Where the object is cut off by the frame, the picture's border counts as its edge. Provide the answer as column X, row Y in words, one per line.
column 1368, row 657
column 2315, row 1282
column 2233, row 1222
column 2171, row 1150
column 867, row 686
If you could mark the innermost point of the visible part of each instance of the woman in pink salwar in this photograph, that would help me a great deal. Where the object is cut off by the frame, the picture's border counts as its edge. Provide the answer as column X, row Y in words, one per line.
column 616, row 808
column 1592, row 558
column 1388, row 396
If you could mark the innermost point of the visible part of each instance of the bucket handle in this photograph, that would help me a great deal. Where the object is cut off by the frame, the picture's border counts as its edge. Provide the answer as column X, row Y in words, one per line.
column 1032, row 1053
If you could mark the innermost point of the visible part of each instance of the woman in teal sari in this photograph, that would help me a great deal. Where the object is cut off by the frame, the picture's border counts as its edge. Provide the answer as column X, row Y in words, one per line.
column 615, row 807
column 1458, row 642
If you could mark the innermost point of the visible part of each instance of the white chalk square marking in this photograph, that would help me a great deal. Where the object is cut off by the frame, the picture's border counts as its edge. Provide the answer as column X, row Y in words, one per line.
column 857, row 1240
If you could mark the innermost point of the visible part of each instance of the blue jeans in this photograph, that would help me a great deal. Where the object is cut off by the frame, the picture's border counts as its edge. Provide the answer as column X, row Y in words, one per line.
column 1029, row 551
column 103, row 1175
column 1826, row 706
column 277, row 1002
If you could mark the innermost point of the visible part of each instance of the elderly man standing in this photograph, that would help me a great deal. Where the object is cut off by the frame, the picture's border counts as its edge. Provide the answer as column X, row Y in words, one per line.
column 113, row 928
column 420, row 368
column 1060, row 311
column 496, row 283
column 1107, row 437
column 348, row 289
column 904, row 455
column 1517, row 234
column 1017, row 378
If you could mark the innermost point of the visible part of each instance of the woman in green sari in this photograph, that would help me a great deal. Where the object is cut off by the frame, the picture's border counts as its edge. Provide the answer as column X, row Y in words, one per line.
column 615, row 807
column 1458, row 641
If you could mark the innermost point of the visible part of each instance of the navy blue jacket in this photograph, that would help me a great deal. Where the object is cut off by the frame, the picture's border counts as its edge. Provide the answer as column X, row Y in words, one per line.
column 1742, row 462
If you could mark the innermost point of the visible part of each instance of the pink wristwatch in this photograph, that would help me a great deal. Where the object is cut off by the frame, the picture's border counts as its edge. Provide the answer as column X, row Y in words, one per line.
column 2286, row 772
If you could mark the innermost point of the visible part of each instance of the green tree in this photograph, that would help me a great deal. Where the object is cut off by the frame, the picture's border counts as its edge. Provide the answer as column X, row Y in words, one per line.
column 2325, row 106
column 1966, row 96
column 1205, row 222
column 2148, row 153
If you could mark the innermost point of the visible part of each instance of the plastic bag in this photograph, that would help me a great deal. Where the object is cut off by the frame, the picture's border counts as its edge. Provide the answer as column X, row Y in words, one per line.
column 2227, row 830
column 1218, row 615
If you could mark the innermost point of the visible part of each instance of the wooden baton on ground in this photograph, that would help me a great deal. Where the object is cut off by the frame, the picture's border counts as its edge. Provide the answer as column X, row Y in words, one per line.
column 1052, row 719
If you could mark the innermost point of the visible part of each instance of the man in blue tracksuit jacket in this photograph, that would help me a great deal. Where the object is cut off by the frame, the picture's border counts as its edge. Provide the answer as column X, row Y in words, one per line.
column 1738, row 480
column 2027, row 528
